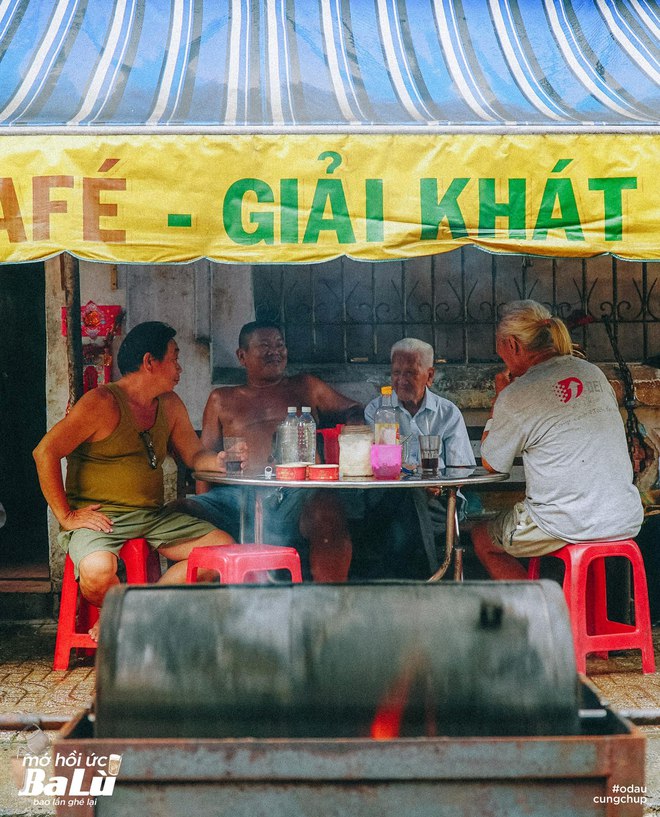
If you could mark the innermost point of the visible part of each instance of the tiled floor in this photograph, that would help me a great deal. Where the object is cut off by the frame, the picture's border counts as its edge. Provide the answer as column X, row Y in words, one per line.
column 27, row 681
column 29, row 686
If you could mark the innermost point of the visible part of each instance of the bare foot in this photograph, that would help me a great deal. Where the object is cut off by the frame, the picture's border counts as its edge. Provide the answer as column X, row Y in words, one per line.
column 94, row 632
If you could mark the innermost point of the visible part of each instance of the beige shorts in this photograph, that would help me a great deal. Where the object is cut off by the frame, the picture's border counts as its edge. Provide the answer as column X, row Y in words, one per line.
column 159, row 527
column 516, row 533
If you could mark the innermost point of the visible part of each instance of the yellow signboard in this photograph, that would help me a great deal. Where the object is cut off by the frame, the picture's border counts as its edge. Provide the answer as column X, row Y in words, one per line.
column 304, row 198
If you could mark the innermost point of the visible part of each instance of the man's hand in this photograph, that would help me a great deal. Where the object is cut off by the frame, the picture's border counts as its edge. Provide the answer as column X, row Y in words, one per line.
column 237, row 452
column 502, row 380
column 220, row 464
column 355, row 416
column 87, row 517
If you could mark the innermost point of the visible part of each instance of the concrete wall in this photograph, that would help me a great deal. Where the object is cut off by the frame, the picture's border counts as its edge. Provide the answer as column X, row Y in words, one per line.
column 167, row 293
column 97, row 283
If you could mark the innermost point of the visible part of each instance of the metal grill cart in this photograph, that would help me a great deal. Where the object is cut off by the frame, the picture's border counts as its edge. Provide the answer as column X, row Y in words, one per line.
column 383, row 699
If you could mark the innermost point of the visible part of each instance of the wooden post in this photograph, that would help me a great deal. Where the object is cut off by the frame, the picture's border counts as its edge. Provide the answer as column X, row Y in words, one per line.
column 71, row 286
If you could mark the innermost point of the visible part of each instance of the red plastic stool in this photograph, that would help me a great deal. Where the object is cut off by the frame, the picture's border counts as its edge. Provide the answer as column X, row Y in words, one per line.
column 142, row 564
column 585, row 590
column 234, row 562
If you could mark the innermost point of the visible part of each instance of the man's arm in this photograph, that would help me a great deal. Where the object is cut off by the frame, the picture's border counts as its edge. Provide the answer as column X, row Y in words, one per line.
column 211, row 423
column 370, row 410
column 211, row 431
column 186, row 442
column 502, row 380
column 456, row 441
column 332, row 406
column 85, row 419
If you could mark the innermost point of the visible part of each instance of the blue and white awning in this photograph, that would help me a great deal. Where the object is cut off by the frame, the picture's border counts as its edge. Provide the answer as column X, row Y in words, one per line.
column 286, row 131
column 315, row 65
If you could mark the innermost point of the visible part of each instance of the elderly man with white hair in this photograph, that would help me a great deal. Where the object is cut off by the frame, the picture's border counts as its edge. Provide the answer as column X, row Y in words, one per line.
column 420, row 412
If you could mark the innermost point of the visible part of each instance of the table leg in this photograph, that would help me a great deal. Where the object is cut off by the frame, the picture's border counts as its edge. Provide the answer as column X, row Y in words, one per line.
column 450, row 536
column 458, row 551
column 258, row 517
column 248, row 495
column 243, row 514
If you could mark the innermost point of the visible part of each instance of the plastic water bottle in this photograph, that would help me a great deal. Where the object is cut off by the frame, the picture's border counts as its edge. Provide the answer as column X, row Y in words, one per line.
column 287, row 437
column 306, row 436
column 386, row 423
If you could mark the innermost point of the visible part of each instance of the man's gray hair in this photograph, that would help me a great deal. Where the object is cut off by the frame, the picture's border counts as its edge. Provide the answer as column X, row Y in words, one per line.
column 414, row 346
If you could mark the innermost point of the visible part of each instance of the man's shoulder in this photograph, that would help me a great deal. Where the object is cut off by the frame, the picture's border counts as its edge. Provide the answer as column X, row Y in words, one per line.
column 169, row 398
column 173, row 406
column 303, row 379
column 222, row 395
column 436, row 402
column 307, row 385
column 558, row 367
column 583, row 366
column 96, row 409
column 100, row 399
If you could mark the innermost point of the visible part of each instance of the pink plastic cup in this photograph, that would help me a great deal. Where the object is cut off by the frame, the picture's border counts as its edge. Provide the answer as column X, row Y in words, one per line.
column 386, row 461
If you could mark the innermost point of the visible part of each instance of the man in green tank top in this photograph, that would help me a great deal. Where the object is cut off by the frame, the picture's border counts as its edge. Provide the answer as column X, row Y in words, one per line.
column 115, row 439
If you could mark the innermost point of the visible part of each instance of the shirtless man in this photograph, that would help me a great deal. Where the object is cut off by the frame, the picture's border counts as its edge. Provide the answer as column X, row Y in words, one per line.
column 115, row 439
column 254, row 411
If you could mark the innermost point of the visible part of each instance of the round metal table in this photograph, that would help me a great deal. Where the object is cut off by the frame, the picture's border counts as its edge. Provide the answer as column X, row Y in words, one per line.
column 449, row 479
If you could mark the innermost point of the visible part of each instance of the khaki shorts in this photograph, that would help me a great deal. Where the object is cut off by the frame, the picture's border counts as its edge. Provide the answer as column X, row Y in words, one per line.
column 516, row 533
column 159, row 527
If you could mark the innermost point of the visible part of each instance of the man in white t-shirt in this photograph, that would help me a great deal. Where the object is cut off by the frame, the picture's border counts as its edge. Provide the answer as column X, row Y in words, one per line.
column 560, row 413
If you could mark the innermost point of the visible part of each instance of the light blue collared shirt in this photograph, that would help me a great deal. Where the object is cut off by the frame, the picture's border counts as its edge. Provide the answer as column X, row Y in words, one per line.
column 436, row 415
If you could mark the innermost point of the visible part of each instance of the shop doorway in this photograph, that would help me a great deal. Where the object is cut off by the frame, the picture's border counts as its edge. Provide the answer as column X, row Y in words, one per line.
column 23, row 537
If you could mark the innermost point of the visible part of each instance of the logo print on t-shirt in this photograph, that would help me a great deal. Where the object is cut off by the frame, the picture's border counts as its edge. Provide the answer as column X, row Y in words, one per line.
column 568, row 388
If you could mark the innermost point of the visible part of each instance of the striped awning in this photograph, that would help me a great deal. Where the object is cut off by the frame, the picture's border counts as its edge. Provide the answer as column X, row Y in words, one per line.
column 338, row 64
column 282, row 131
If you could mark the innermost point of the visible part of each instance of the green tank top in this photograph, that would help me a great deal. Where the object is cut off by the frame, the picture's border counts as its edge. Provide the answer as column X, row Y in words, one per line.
column 115, row 472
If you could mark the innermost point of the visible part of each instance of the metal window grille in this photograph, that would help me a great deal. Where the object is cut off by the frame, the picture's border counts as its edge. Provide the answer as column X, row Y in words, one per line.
column 347, row 311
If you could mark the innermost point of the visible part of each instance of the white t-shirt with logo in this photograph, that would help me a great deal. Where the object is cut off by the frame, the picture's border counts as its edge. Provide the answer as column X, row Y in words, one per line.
column 562, row 417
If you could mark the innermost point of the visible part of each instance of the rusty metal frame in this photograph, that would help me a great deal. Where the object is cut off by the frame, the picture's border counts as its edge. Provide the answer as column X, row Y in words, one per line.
column 461, row 777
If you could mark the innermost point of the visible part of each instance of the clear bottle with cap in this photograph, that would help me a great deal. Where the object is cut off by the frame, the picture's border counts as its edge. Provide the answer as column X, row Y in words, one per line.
column 306, row 436
column 287, row 438
column 386, row 422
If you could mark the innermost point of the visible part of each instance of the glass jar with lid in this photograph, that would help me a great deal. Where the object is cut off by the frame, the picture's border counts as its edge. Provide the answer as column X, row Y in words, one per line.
column 355, row 451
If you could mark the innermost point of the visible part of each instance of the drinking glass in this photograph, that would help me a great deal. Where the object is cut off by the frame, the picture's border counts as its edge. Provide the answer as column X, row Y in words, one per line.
column 386, row 461
column 235, row 448
column 429, row 450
